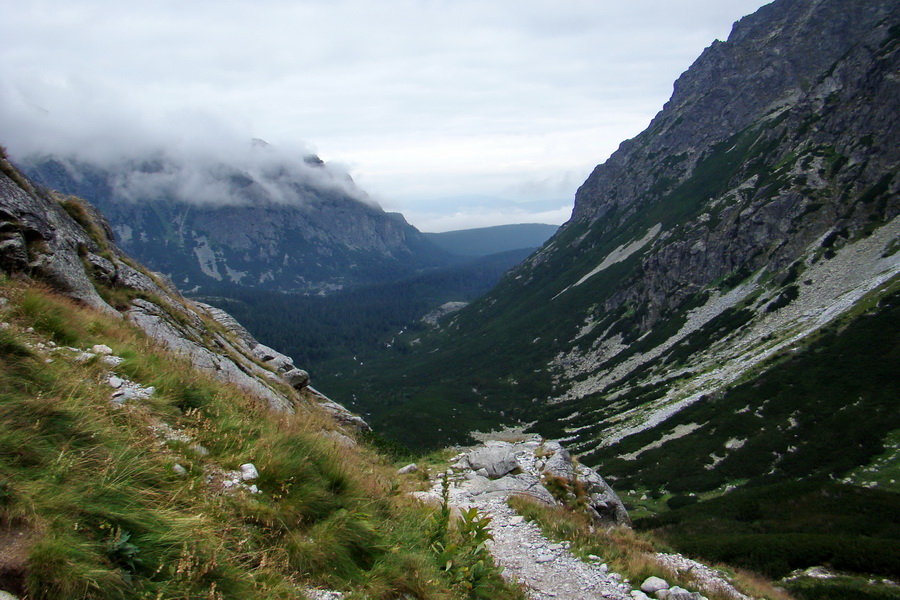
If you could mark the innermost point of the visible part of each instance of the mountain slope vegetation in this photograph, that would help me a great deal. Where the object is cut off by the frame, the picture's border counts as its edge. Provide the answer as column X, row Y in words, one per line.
column 753, row 221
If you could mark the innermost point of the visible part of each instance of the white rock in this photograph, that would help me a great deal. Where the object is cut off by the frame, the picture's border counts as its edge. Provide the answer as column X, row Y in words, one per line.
column 639, row 595
column 543, row 558
column 654, row 584
column 410, row 468
column 497, row 458
column 249, row 472
column 115, row 382
column 101, row 349
column 200, row 450
column 179, row 470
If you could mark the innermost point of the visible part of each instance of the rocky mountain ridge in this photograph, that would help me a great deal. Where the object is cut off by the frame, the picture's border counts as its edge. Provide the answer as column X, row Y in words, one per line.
column 768, row 184
column 258, row 220
column 784, row 120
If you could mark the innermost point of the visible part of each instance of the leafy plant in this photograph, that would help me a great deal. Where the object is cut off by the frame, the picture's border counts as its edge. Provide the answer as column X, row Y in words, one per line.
column 462, row 552
column 122, row 551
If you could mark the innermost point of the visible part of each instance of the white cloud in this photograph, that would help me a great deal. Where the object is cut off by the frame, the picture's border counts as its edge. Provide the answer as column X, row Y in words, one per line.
column 421, row 98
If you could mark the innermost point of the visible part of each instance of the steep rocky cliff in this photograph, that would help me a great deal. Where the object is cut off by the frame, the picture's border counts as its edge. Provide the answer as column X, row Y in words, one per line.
column 753, row 222
column 770, row 140
column 257, row 219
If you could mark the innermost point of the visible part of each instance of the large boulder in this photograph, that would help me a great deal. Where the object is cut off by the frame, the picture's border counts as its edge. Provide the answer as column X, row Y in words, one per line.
column 496, row 458
column 606, row 505
column 652, row 585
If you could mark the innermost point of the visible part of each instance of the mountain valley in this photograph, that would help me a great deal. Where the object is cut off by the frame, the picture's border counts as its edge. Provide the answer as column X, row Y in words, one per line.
column 715, row 332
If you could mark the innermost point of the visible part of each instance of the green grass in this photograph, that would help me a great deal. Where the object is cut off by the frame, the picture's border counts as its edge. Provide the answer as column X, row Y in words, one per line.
column 841, row 588
column 91, row 490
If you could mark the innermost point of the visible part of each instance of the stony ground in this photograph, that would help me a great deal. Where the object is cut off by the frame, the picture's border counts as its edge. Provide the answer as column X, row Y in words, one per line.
column 548, row 570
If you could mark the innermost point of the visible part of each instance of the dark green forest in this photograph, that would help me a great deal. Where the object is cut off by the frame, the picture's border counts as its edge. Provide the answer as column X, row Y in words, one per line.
column 316, row 329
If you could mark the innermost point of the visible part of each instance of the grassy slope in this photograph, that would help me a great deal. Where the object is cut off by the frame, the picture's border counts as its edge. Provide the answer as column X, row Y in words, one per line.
column 823, row 411
column 90, row 506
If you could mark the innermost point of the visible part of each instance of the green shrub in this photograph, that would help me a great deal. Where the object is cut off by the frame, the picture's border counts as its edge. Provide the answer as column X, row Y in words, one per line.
column 841, row 588
column 676, row 502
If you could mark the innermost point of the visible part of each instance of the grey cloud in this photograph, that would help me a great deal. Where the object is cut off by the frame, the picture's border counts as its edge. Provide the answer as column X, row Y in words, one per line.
column 113, row 79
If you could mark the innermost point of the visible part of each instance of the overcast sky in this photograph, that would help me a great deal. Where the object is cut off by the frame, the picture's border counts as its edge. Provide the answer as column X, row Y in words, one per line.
column 458, row 113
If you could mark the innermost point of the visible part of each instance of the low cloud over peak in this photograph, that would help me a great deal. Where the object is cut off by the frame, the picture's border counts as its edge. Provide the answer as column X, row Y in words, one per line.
column 191, row 155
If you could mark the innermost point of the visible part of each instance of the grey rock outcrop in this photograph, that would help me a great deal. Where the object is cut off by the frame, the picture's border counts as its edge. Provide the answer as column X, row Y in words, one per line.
column 603, row 500
column 339, row 412
column 496, row 458
column 186, row 338
column 558, row 462
column 38, row 238
column 501, row 469
column 604, row 504
column 281, row 364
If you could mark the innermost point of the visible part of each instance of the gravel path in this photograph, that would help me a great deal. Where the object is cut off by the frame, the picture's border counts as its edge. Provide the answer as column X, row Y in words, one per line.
column 547, row 570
